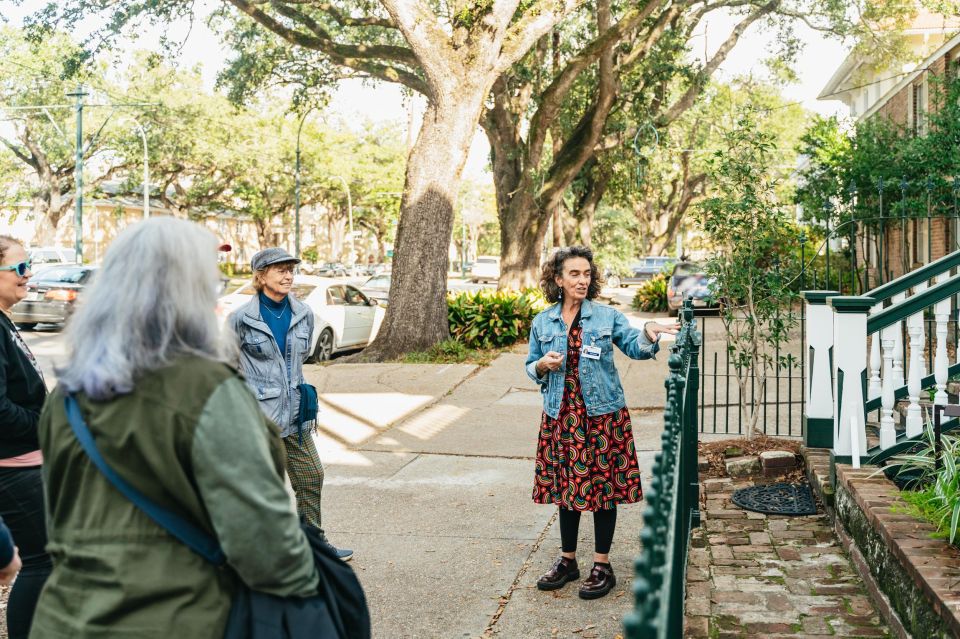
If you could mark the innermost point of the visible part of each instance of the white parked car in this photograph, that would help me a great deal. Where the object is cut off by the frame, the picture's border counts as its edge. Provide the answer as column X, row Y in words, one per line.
column 52, row 255
column 485, row 269
column 378, row 288
column 346, row 319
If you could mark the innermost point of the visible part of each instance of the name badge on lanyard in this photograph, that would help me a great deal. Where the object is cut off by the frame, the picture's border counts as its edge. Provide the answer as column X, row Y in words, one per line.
column 590, row 352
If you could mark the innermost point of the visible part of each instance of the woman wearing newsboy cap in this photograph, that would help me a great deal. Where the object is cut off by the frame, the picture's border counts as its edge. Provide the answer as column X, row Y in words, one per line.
column 275, row 329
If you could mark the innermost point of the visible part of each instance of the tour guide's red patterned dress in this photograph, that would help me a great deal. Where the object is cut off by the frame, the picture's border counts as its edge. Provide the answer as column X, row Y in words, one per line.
column 583, row 462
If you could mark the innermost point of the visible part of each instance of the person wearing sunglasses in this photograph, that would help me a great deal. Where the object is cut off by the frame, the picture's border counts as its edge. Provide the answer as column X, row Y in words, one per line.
column 22, row 393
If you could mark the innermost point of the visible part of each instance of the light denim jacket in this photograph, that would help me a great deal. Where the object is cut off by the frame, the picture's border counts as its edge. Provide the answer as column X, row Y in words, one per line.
column 603, row 326
column 274, row 377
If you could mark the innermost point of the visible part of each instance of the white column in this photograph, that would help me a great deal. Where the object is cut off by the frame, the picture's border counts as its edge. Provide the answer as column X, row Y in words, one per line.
column 941, row 312
column 914, row 421
column 875, row 386
column 850, row 355
column 888, row 433
column 818, row 416
column 898, row 379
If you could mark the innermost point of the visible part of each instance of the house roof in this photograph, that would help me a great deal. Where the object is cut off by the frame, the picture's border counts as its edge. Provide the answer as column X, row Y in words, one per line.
column 913, row 75
column 924, row 24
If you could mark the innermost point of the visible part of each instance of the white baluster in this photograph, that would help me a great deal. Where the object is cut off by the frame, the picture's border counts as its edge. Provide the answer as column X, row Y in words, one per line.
column 888, row 433
column 920, row 288
column 914, row 421
column 875, row 387
column 941, row 312
column 898, row 379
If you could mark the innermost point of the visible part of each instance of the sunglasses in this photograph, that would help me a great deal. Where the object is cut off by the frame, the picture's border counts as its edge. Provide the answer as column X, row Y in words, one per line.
column 20, row 268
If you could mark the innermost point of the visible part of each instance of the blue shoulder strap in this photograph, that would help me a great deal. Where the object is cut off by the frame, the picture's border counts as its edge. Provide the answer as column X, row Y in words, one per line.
column 197, row 540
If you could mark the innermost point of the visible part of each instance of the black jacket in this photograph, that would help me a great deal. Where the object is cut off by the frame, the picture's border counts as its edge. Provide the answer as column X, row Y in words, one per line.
column 22, row 392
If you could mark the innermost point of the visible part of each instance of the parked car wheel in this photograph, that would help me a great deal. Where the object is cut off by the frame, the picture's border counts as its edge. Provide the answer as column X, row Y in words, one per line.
column 614, row 281
column 324, row 349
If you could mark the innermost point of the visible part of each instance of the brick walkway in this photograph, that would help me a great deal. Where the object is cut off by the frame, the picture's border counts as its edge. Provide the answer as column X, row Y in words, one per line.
column 751, row 575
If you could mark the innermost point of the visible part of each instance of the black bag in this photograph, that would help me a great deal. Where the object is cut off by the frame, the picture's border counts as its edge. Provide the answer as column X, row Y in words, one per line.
column 337, row 611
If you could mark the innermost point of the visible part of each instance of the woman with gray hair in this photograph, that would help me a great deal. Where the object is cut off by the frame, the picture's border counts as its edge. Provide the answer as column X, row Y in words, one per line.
column 147, row 367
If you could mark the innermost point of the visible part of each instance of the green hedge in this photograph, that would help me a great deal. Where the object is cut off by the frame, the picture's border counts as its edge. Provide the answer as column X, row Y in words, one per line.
column 651, row 297
column 492, row 319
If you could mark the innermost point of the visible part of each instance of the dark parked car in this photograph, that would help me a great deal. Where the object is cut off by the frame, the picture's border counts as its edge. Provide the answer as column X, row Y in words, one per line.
column 688, row 281
column 52, row 296
column 640, row 271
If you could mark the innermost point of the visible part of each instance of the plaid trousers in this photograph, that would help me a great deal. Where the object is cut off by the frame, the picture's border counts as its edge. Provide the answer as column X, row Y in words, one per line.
column 306, row 476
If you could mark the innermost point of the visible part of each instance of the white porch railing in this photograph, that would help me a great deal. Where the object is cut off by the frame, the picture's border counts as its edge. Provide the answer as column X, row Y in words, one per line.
column 862, row 339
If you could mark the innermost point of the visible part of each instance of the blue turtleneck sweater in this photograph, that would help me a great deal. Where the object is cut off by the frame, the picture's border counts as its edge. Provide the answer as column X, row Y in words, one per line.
column 277, row 315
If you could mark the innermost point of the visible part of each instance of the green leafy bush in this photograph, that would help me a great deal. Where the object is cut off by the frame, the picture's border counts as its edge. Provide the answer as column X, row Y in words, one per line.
column 937, row 494
column 651, row 297
column 491, row 319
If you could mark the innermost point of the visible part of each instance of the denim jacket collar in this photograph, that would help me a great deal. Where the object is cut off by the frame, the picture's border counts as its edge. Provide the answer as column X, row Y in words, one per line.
column 586, row 310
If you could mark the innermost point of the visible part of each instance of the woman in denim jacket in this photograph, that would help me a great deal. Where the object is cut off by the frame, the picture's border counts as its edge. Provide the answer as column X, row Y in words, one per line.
column 586, row 460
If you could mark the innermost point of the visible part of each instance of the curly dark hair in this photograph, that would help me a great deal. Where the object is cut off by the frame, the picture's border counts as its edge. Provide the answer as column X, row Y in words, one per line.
column 553, row 267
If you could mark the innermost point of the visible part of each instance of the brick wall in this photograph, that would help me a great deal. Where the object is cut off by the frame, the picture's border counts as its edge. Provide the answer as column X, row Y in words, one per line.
column 941, row 243
column 897, row 110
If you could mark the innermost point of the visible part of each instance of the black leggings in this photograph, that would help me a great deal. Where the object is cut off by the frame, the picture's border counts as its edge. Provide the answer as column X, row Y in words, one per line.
column 604, row 525
column 21, row 506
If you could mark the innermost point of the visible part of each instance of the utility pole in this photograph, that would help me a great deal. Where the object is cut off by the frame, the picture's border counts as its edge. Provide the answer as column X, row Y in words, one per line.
column 463, row 247
column 78, row 175
column 146, row 169
column 346, row 187
column 296, row 196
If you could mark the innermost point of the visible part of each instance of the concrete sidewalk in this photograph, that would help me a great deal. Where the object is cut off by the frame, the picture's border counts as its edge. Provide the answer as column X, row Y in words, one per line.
column 429, row 473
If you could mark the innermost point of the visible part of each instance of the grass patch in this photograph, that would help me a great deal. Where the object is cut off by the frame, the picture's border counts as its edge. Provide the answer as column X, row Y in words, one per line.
column 451, row 351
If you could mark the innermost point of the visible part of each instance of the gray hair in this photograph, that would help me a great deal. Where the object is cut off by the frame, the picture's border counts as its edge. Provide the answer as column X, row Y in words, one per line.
column 152, row 301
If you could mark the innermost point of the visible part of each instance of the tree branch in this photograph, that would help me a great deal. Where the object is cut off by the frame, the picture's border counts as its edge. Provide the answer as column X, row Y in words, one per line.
column 352, row 57
column 696, row 87
column 579, row 147
column 17, row 152
column 432, row 46
column 532, row 26
column 552, row 99
column 348, row 21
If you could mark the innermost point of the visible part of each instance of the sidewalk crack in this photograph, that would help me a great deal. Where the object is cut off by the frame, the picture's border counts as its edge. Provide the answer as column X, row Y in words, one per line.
column 505, row 599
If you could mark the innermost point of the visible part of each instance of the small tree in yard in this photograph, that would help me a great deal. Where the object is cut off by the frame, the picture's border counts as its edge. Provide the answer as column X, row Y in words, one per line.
column 748, row 226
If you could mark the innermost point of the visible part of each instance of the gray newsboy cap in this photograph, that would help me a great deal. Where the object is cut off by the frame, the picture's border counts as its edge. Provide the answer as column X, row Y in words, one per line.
column 273, row 255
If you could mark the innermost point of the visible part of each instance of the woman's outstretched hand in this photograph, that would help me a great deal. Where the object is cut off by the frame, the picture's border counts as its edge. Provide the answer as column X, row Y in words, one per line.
column 654, row 329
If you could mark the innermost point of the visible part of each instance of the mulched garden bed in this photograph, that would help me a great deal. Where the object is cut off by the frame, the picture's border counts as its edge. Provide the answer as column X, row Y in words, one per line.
column 716, row 454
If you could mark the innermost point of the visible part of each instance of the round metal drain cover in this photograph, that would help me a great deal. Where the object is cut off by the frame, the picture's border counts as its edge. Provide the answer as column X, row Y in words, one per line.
column 777, row 499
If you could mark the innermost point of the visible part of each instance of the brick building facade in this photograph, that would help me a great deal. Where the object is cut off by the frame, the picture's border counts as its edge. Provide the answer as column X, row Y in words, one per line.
column 905, row 99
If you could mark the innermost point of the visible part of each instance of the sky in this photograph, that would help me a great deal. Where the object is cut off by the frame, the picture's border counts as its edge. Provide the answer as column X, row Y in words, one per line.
column 357, row 101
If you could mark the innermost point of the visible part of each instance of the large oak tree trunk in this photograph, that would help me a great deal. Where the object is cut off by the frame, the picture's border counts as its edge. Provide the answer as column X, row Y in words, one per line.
column 523, row 226
column 416, row 318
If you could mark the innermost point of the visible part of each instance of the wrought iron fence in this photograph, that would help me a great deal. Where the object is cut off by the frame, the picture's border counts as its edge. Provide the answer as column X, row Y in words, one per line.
column 777, row 394
column 672, row 499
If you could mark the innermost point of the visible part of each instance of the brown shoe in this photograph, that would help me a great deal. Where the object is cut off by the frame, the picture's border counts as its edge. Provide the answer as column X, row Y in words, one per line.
column 563, row 572
column 599, row 583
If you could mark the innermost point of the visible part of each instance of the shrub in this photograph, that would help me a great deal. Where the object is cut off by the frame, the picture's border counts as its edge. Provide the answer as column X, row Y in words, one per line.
column 937, row 497
column 651, row 297
column 491, row 319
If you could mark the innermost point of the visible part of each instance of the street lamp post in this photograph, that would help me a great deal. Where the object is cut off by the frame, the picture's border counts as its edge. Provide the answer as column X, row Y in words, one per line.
column 297, row 189
column 146, row 170
column 346, row 187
